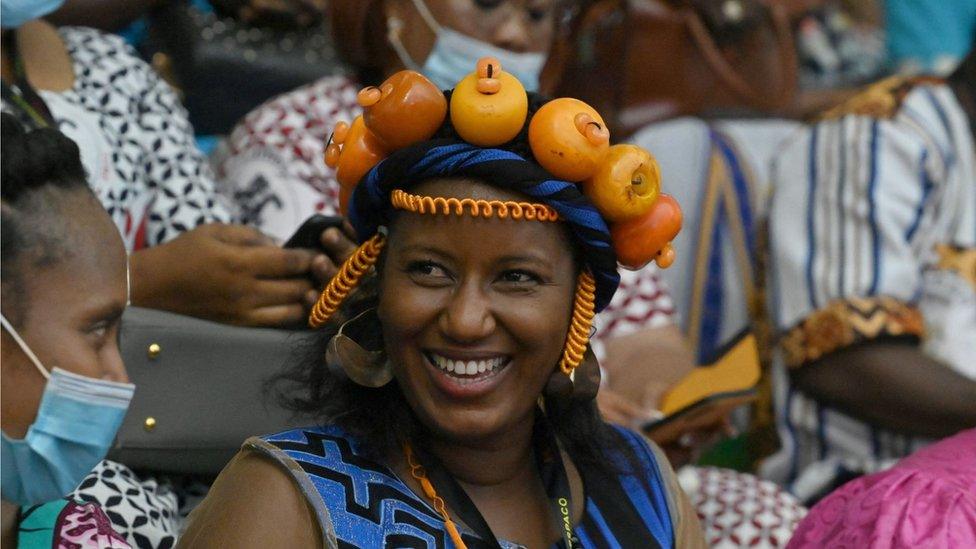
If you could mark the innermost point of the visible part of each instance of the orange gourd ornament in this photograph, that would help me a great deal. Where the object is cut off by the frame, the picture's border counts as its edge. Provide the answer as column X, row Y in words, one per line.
column 352, row 151
column 489, row 106
column 568, row 138
column 626, row 183
column 648, row 237
column 406, row 108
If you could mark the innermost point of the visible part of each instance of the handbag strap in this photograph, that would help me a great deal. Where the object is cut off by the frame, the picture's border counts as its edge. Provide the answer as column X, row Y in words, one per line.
column 717, row 62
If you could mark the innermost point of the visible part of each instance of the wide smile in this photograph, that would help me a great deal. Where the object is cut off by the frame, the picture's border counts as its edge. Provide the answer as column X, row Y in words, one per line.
column 466, row 377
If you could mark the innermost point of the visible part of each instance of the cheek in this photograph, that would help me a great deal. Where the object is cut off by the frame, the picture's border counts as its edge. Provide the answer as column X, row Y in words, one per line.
column 404, row 309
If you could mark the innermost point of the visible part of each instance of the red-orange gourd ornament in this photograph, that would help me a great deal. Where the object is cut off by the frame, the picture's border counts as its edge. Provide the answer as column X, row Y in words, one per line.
column 405, row 109
column 640, row 240
column 626, row 183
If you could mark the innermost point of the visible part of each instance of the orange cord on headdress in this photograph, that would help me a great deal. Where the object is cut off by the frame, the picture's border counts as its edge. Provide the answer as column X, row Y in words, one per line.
column 346, row 280
column 402, row 200
column 579, row 329
column 418, row 472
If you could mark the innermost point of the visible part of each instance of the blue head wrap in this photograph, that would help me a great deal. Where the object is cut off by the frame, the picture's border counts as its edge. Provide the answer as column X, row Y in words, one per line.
column 369, row 207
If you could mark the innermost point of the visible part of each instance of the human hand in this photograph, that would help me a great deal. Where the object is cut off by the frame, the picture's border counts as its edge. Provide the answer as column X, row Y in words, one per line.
column 227, row 273
column 616, row 408
column 338, row 246
column 689, row 447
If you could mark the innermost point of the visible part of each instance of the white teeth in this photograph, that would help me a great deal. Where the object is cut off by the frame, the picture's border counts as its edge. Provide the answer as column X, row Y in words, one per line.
column 469, row 368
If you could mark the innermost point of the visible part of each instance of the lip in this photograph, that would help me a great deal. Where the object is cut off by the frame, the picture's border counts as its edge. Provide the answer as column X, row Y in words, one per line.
column 466, row 388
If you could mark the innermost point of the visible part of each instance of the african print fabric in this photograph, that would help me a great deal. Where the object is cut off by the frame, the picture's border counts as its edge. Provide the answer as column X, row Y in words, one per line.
column 362, row 503
column 65, row 524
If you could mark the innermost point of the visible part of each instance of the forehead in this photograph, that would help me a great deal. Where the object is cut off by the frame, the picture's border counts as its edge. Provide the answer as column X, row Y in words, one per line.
column 481, row 237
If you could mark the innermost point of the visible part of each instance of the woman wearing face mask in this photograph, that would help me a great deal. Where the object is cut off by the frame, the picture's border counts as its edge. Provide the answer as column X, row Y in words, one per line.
column 271, row 166
column 65, row 389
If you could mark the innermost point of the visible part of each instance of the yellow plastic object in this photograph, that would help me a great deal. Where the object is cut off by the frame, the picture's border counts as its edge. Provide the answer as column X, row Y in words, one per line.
column 568, row 138
column 489, row 106
column 736, row 371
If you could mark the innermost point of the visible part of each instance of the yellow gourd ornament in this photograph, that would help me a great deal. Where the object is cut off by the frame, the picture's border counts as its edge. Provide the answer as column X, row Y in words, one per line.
column 489, row 106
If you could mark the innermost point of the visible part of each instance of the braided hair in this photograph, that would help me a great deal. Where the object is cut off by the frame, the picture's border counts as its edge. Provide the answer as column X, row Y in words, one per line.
column 37, row 167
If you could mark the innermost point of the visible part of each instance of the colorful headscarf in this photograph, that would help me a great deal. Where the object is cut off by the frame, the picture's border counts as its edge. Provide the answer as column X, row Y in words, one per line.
column 370, row 206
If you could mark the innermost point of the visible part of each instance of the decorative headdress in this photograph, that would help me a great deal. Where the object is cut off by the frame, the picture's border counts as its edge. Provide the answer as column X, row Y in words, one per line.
column 608, row 195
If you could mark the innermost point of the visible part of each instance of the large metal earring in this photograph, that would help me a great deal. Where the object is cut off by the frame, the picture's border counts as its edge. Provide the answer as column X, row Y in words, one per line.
column 582, row 383
column 345, row 356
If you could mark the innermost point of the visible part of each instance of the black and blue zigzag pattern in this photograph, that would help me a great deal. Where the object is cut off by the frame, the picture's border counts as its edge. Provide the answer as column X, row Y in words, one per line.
column 371, row 507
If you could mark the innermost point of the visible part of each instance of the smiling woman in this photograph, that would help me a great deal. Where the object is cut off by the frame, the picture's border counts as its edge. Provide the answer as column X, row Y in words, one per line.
column 454, row 407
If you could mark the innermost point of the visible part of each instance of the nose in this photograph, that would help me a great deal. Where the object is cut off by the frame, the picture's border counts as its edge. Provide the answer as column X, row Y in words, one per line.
column 468, row 317
column 513, row 33
column 113, row 366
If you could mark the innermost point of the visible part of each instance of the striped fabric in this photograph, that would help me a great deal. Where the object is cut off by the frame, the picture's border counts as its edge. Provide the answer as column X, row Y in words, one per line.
column 860, row 205
column 362, row 503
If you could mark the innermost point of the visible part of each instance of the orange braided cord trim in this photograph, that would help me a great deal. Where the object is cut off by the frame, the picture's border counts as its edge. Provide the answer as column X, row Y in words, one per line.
column 434, row 205
column 417, row 471
column 845, row 322
column 579, row 328
column 348, row 277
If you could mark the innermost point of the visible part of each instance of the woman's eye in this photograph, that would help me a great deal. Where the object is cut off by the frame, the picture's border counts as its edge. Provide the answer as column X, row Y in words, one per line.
column 428, row 270
column 520, row 278
column 488, row 4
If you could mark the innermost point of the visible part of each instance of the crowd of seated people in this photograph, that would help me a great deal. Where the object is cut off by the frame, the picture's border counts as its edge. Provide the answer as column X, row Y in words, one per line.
column 481, row 378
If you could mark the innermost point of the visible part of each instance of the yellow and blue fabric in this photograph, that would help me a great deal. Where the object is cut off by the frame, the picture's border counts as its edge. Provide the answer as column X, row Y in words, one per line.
column 370, row 204
column 360, row 502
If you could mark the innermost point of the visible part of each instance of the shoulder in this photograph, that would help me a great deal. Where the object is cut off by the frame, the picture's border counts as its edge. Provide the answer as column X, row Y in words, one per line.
column 254, row 503
column 320, row 103
column 93, row 43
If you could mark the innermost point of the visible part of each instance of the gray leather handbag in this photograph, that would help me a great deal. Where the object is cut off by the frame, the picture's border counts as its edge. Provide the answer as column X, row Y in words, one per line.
column 200, row 389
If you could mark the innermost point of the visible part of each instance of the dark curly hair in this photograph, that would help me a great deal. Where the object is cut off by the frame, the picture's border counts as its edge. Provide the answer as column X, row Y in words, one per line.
column 35, row 163
column 381, row 417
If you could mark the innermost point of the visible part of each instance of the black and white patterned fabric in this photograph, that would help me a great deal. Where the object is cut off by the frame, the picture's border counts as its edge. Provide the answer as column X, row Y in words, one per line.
column 136, row 142
column 144, row 511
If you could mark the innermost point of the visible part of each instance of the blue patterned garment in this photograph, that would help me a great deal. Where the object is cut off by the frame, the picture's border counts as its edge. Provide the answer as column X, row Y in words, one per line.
column 362, row 503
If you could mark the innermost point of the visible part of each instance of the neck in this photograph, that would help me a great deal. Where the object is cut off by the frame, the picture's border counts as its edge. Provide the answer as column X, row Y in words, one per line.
column 8, row 513
column 490, row 462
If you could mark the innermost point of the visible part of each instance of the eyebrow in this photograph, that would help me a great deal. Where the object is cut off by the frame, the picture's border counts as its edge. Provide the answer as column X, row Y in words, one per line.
column 538, row 259
column 107, row 311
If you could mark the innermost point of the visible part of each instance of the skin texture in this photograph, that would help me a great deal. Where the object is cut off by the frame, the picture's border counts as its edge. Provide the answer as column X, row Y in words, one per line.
column 894, row 385
column 460, row 286
column 516, row 25
column 74, row 330
column 227, row 273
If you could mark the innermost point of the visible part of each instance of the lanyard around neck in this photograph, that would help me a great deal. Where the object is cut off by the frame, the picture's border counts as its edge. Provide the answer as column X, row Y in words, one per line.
column 554, row 478
column 21, row 95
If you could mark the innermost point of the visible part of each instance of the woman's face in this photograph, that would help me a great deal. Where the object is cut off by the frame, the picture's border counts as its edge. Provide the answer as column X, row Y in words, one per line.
column 516, row 25
column 474, row 313
column 71, row 312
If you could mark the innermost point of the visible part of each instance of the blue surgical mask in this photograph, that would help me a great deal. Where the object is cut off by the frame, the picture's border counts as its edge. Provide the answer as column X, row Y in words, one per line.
column 455, row 55
column 75, row 426
column 14, row 13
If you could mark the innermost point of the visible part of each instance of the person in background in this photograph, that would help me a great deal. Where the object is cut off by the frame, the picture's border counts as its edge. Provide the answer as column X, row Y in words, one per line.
column 872, row 230
column 144, row 167
column 271, row 167
column 65, row 389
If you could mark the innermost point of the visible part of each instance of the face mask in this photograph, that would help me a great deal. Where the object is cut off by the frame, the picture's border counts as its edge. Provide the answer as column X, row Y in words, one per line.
column 455, row 55
column 14, row 13
column 75, row 426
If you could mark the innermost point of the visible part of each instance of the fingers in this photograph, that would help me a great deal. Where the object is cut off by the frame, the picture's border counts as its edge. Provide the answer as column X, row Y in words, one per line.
column 292, row 291
column 275, row 262
column 241, row 235
column 618, row 409
column 337, row 244
column 275, row 315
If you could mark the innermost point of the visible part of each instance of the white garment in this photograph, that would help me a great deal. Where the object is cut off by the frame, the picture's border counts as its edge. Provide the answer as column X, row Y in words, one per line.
column 860, row 204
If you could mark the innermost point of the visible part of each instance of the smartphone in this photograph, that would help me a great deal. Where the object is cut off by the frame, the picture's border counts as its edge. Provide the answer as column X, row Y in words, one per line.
column 309, row 235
